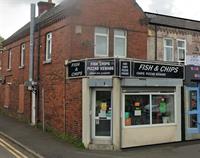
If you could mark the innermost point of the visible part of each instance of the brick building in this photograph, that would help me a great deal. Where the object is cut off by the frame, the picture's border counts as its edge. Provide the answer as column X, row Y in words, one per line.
column 75, row 29
column 178, row 39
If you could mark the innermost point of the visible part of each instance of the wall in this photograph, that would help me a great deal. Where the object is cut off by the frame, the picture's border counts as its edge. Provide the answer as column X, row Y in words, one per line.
column 113, row 14
column 192, row 41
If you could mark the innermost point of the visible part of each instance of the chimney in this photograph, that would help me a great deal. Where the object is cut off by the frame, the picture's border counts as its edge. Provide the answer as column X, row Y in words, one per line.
column 45, row 6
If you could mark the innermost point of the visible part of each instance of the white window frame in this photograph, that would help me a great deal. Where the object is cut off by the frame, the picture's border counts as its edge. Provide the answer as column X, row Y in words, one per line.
column 22, row 55
column 95, row 42
column 9, row 60
column 178, row 48
column 121, row 37
column 150, row 102
column 47, row 52
column 172, row 47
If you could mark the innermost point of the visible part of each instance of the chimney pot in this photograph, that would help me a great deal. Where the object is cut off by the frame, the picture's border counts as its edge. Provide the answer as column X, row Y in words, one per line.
column 45, row 6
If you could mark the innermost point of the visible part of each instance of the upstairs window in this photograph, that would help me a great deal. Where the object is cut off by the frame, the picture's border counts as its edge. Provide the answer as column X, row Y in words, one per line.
column 181, row 50
column 120, row 43
column 168, row 50
column 22, row 55
column 101, row 42
column 9, row 60
column 48, row 47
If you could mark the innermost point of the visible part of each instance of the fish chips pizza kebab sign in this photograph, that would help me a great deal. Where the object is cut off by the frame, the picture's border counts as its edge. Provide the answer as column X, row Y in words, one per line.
column 157, row 70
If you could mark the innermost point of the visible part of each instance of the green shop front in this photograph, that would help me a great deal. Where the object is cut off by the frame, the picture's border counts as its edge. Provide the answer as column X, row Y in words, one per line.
column 128, row 103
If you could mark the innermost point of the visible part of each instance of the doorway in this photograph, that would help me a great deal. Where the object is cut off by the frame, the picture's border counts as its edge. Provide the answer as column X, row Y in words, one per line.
column 102, row 116
column 192, row 113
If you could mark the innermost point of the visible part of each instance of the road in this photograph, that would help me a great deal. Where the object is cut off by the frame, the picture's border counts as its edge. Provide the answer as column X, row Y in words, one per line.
column 10, row 150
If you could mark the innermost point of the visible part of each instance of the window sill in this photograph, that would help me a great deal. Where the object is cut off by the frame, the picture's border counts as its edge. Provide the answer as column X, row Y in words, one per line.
column 5, row 106
column 151, row 126
column 20, row 112
column 21, row 67
column 8, row 70
column 47, row 62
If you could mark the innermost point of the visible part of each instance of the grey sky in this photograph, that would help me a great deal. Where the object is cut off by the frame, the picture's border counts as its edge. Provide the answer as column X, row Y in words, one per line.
column 15, row 13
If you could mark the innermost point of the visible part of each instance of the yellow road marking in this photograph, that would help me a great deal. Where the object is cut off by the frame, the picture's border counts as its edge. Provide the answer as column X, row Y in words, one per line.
column 11, row 149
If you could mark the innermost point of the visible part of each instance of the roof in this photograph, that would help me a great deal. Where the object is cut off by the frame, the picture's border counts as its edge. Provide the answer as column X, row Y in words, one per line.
column 51, row 16
column 171, row 21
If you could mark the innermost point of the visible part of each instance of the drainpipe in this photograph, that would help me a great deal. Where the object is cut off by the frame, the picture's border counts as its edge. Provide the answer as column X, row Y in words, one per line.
column 32, row 85
column 65, row 103
column 38, row 74
column 156, row 42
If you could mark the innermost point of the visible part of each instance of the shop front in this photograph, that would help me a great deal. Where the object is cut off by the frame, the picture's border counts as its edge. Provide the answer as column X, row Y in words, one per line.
column 129, row 103
column 192, row 103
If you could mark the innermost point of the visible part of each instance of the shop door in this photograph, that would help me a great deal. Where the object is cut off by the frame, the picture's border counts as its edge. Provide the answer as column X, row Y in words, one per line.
column 102, row 115
column 193, row 111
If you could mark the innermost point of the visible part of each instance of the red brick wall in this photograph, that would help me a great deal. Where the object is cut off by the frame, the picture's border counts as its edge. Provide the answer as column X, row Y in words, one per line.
column 68, row 45
column 113, row 14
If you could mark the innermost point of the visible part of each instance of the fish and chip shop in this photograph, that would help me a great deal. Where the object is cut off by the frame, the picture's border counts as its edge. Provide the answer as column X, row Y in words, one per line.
column 128, row 103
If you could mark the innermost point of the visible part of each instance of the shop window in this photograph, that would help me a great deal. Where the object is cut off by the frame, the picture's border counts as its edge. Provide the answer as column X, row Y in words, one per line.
column 137, row 111
column 21, row 99
column 181, row 48
column 168, row 50
column 163, row 109
column 149, row 109
column 120, row 43
column 48, row 47
column 22, row 55
column 101, row 42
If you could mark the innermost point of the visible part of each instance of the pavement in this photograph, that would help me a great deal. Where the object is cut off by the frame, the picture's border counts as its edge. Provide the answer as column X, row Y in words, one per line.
column 45, row 145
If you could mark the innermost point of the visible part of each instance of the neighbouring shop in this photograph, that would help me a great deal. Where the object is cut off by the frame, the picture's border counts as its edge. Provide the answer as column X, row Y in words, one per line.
column 129, row 103
column 192, row 102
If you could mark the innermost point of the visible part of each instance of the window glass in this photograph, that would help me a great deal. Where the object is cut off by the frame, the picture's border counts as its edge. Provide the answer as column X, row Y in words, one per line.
column 149, row 109
column 103, row 113
column 137, row 110
column 101, row 46
column 193, row 100
column 120, row 33
column 101, row 30
column 9, row 60
column 163, row 109
column 22, row 55
column 168, row 50
column 181, row 50
column 168, row 42
column 120, row 43
column 193, row 121
column 48, row 46
column 181, row 44
column 101, row 41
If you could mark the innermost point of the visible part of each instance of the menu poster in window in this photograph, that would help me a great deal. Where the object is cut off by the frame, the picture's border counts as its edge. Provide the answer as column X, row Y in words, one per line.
column 76, row 69
column 125, row 68
column 105, row 67
column 157, row 70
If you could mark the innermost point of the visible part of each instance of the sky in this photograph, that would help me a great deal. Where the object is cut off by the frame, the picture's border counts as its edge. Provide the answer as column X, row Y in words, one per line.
column 16, row 13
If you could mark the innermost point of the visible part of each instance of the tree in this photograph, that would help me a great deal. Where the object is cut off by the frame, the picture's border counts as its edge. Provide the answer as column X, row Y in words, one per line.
column 1, row 40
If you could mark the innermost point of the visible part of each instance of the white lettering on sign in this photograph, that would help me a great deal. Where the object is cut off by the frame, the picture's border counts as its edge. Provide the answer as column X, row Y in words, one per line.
column 75, row 64
column 145, row 67
column 169, row 69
